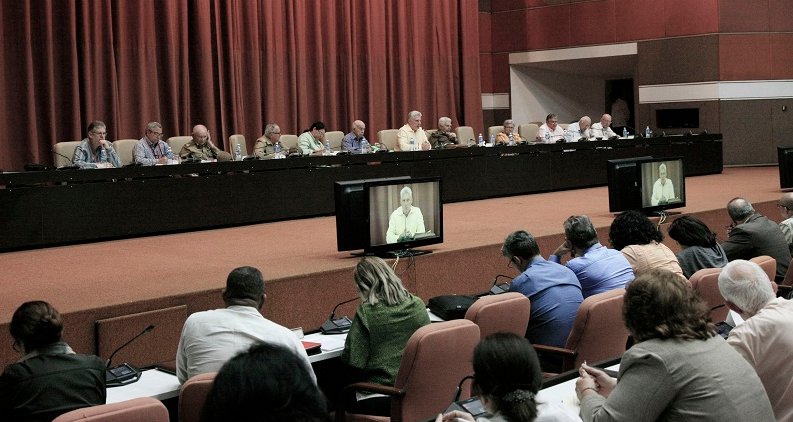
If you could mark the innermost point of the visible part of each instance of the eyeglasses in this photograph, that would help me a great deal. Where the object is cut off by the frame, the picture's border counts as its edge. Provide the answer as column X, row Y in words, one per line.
column 100, row 133
column 159, row 134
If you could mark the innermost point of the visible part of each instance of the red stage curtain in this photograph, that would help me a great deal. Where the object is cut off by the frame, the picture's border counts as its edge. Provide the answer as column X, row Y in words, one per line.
column 232, row 65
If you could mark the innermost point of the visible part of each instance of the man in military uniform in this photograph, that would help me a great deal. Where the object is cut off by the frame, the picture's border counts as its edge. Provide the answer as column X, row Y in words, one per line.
column 443, row 136
column 265, row 146
column 202, row 148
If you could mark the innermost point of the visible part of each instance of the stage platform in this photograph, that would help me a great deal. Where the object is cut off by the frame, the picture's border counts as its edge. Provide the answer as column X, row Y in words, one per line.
column 305, row 274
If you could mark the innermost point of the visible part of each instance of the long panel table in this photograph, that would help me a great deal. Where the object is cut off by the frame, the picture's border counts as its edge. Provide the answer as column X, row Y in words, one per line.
column 44, row 208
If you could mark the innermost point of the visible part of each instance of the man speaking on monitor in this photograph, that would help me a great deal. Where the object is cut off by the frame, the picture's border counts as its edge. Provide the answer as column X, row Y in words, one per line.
column 406, row 221
column 663, row 191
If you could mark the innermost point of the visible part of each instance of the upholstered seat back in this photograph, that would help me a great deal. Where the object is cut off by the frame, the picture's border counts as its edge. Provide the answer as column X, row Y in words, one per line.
column 598, row 332
column 705, row 283
column 135, row 410
column 193, row 395
column 506, row 312
column 388, row 137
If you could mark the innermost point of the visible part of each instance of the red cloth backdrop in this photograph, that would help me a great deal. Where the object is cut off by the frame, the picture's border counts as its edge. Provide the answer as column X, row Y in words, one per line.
column 232, row 65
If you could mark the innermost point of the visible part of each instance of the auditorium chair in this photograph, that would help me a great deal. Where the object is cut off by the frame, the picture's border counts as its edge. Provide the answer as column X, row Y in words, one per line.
column 505, row 312
column 598, row 333
column 786, row 286
column 494, row 131
column 144, row 409
column 705, row 283
column 335, row 137
column 124, row 148
column 177, row 142
column 528, row 131
column 192, row 396
column 288, row 142
column 388, row 138
column 768, row 265
column 430, row 132
column 436, row 358
column 63, row 152
column 465, row 134
column 237, row 139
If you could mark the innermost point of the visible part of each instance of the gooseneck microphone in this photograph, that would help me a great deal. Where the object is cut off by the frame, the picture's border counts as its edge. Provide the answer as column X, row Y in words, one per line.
column 496, row 289
column 337, row 326
column 71, row 161
column 145, row 331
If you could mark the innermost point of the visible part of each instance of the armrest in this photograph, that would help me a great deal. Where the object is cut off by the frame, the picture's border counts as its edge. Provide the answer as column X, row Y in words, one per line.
column 555, row 351
column 375, row 388
column 783, row 291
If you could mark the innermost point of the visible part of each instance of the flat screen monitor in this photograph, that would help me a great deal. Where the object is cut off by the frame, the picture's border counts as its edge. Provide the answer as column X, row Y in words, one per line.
column 663, row 183
column 623, row 183
column 785, row 159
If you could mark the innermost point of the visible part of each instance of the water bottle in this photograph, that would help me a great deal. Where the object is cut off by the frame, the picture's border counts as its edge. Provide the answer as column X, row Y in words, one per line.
column 647, row 132
column 327, row 148
column 364, row 147
column 238, row 152
column 102, row 155
column 492, row 140
column 277, row 150
column 481, row 142
column 624, row 132
column 547, row 137
column 412, row 144
column 511, row 140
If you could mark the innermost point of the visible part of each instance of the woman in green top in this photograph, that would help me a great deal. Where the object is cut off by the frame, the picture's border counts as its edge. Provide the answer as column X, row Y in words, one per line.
column 382, row 326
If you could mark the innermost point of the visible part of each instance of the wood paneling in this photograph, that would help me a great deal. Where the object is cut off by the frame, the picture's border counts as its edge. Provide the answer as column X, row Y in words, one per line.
column 639, row 19
column 592, row 23
column 549, row 27
column 486, row 72
column 744, row 57
column 743, row 16
column 780, row 15
column 500, row 65
column 686, row 17
column 676, row 60
column 781, row 56
column 510, row 31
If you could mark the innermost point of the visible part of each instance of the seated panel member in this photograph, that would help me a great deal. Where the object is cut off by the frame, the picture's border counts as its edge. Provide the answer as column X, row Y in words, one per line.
column 552, row 129
column 579, row 130
column 95, row 151
column 202, row 148
column 210, row 338
column 412, row 131
column 406, row 221
column 352, row 141
column 602, row 129
column 444, row 136
column 598, row 268
column 151, row 149
column 767, row 333
column 311, row 141
column 502, row 138
column 49, row 379
column 265, row 148
column 553, row 289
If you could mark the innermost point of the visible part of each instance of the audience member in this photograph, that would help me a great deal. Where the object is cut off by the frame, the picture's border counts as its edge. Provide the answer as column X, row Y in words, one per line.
column 411, row 137
column 444, row 136
column 767, row 332
column 502, row 138
column 752, row 234
column 598, row 268
column 95, row 151
column 678, row 369
column 602, row 128
column 352, row 141
column 210, row 338
column 202, row 148
column 550, row 132
column 579, row 130
column 508, row 377
column 785, row 206
column 381, row 328
column 265, row 146
column 698, row 245
column 311, row 141
column 266, row 383
column 633, row 234
column 49, row 379
column 553, row 289
column 151, row 149
column 406, row 221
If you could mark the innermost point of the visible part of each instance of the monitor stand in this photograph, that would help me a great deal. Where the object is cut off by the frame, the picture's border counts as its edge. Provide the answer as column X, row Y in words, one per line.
column 402, row 253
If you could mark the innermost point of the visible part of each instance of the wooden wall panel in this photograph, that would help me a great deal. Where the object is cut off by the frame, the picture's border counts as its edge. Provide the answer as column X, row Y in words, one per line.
column 744, row 57
column 743, row 16
column 780, row 15
column 744, row 142
column 686, row 17
column 592, row 23
column 549, row 27
column 486, row 72
column 503, row 5
column 781, row 47
column 677, row 60
column 639, row 20
column 510, row 31
column 485, row 35
column 500, row 65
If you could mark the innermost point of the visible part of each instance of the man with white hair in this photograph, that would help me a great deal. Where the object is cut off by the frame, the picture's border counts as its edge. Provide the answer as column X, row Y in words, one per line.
column 443, row 137
column 602, row 129
column 663, row 190
column 578, row 130
column 411, row 136
column 766, row 336
column 406, row 221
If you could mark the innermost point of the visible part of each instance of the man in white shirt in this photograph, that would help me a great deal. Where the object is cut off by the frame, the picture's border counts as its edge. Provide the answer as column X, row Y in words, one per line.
column 550, row 132
column 412, row 131
column 602, row 129
column 210, row 338
column 766, row 336
column 663, row 190
column 406, row 221
column 578, row 130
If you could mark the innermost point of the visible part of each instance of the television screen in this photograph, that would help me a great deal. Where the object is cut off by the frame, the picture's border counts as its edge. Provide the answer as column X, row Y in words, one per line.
column 352, row 212
column 404, row 214
column 785, row 159
column 623, row 183
column 662, row 183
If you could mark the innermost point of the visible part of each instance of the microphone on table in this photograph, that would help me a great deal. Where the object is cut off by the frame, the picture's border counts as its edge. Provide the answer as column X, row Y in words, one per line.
column 497, row 289
column 337, row 326
column 66, row 167
column 125, row 373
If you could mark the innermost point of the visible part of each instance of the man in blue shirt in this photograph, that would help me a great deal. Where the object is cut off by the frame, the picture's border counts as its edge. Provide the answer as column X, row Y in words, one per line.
column 352, row 141
column 598, row 268
column 553, row 290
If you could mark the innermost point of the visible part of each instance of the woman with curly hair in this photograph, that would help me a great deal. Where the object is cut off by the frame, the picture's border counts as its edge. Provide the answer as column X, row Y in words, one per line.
column 679, row 369
column 698, row 243
column 639, row 240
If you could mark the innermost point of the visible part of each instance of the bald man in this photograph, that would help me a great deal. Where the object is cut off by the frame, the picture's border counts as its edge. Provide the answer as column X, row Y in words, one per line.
column 202, row 148
column 785, row 206
column 352, row 141
column 602, row 129
column 753, row 234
